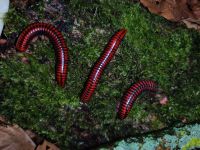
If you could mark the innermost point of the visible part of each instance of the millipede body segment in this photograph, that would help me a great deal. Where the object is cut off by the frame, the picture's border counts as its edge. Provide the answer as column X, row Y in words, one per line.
column 131, row 95
column 100, row 65
column 56, row 38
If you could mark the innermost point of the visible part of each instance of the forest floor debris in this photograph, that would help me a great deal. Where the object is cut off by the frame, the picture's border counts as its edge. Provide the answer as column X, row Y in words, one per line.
column 185, row 11
column 12, row 137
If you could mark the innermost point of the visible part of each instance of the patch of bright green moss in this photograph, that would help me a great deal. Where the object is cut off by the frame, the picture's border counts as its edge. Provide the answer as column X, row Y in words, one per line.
column 193, row 143
column 162, row 51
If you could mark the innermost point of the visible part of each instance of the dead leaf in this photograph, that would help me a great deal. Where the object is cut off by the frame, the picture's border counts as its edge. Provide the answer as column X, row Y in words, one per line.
column 14, row 138
column 47, row 146
column 34, row 137
column 192, row 23
column 185, row 11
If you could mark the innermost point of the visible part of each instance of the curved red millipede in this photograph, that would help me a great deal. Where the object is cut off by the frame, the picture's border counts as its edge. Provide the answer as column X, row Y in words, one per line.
column 131, row 95
column 56, row 39
column 100, row 65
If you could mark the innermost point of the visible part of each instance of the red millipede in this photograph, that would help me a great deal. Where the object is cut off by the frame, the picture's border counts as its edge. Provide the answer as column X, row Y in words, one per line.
column 56, row 38
column 100, row 65
column 131, row 95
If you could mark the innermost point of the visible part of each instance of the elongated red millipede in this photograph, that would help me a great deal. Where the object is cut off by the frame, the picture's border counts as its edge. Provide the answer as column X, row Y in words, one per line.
column 100, row 65
column 56, row 38
column 131, row 95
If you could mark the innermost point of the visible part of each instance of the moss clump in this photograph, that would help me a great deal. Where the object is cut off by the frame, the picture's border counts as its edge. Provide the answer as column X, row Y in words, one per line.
column 156, row 50
column 193, row 143
column 31, row 96
column 162, row 52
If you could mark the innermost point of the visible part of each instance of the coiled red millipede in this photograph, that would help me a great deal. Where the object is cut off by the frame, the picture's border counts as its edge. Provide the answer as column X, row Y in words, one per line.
column 100, row 65
column 131, row 95
column 56, row 38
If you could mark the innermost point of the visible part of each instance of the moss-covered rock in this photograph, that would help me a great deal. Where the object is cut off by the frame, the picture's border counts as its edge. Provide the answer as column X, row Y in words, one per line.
column 153, row 49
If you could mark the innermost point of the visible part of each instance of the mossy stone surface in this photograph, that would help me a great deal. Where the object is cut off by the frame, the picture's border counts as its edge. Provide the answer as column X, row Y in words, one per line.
column 153, row 49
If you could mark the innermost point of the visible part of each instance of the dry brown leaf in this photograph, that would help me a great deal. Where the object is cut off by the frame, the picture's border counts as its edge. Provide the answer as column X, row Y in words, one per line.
column 34, row 137
column 174, row 10
column 192, row 23
column 186, row 11
column 47, row 145
column 14, row 138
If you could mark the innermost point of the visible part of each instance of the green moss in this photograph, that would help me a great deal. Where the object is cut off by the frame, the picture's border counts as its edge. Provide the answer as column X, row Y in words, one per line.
column 193, row 143
column 162, row 52
column 15, row 20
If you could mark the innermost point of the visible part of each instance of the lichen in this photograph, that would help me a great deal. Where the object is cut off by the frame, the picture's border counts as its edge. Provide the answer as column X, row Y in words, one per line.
column 179, row 138
column 171, row 141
